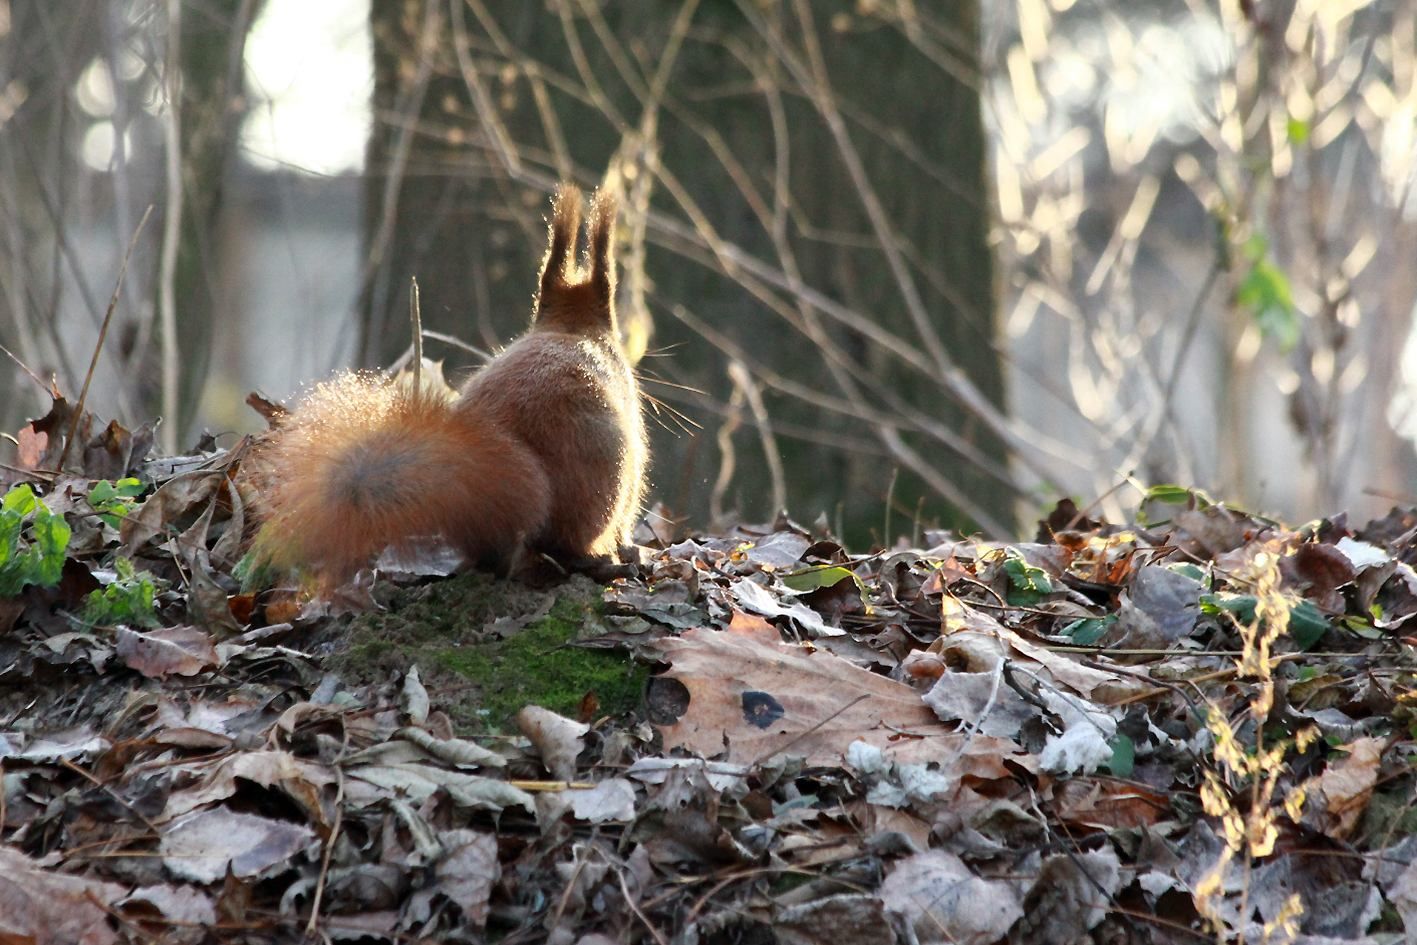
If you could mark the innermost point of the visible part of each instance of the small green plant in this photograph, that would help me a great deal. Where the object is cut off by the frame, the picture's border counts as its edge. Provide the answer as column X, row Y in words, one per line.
column 33, row 541
column 128, row 599
column 1027, row 584
column 114, row 500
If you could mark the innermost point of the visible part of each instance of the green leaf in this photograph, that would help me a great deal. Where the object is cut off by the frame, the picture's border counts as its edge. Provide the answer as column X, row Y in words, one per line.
column 36, row 557
column 1362, row 628
column 102, row 491
column 1027, row 584
column 1266, row 292
column 1089, row 630
column 809, row 579
column 129, row 599
column 21, row 499
column 113, row 501
column 51, row 540
column 1241, row 606
column 1189, row 570
column 1124, row 757
column 1307, row 624
column 1169, row 494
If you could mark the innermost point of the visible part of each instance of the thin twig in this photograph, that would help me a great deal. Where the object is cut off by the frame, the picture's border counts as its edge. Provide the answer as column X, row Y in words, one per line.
column 807, row 731
column 102, row 334
column 171, row 225
column 415, row 315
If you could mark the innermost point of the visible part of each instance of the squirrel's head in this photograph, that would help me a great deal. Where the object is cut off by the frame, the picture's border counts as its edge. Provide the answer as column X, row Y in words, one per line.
column 571, row 297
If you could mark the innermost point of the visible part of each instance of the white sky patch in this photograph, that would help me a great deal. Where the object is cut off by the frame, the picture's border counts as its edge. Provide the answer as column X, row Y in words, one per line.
column 309, row 73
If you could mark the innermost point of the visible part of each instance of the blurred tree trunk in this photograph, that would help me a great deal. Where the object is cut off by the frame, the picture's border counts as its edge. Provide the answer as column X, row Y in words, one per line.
column 937, row 199
column 41, row 51
column 212, row 53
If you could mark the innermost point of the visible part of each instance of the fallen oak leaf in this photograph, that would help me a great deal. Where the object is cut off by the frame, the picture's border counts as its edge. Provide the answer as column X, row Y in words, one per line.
column 765, row 697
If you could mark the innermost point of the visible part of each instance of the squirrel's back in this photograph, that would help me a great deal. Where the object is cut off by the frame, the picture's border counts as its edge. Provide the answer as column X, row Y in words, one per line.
column 568, row 391
column 544, row 449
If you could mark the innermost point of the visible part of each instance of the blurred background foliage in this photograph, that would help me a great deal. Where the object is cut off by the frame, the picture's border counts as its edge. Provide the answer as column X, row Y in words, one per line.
column 890, row 263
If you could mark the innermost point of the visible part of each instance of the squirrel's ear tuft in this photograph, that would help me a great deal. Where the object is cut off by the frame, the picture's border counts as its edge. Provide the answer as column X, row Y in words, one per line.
column 602, row 242
column 565, row 226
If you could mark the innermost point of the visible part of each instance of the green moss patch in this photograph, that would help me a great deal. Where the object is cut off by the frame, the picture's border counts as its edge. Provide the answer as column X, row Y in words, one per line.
column 486, row 648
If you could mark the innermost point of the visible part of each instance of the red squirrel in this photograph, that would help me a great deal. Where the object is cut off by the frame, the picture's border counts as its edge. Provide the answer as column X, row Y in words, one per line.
column 543, row 450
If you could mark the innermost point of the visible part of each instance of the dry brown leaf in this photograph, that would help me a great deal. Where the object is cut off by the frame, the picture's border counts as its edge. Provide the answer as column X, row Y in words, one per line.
column 843, row 919
column 169, row 651
column 945, row 902
column 1071, row 895
column 1108, row 804
column 40, row 907
column 758, row 697
column 984, row 643
column 182, row 904
column 1346, row 786
column 610, row 800
column 559, row 740
column 202, row 846
column 167, row 508
column 468, row 871
column 301, row 780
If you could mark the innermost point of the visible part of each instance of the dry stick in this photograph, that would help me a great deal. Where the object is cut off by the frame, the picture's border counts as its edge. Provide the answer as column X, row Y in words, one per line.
column 102, row 334
column 171, row 227
column 410, row 100
column 744, row 381
column 448, row 340
column 329, row 848
column 415, row 314
column 727, row 456
column 635, row 908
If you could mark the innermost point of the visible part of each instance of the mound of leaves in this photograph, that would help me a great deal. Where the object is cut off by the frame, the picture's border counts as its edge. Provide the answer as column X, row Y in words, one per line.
column 1197, row 728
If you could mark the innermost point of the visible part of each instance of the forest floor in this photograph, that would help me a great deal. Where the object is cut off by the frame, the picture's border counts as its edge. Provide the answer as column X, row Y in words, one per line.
column 1198, row 727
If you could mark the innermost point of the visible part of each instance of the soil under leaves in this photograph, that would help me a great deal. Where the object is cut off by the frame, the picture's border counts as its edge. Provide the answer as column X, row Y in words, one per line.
column 1194, row 729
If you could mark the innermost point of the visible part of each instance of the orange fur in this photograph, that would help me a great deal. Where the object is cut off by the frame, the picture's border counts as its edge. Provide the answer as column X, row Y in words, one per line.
column 543, row 449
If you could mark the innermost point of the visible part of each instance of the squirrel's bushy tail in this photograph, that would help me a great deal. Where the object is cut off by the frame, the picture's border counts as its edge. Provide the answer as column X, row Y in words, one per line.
column 363, row 464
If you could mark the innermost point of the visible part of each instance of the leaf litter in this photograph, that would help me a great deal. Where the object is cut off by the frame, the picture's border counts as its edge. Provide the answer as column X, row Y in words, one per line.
column 1198, row 728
